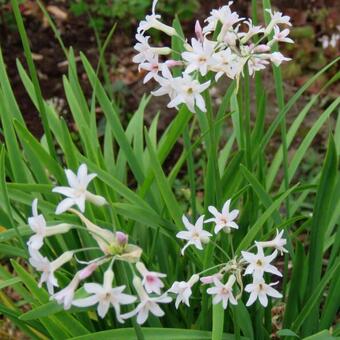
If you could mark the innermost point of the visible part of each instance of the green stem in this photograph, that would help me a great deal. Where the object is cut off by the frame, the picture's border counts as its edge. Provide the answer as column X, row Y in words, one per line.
column 191, row 170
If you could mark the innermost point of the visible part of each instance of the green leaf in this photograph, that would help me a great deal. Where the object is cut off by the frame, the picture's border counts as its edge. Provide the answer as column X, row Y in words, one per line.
column 154, row 334
column 321, row 215
column 63, row 322
column 9, row 282
column 163, row 185
column 314, row 296
column 286, row 332
column 112, row 118
column 324, row 335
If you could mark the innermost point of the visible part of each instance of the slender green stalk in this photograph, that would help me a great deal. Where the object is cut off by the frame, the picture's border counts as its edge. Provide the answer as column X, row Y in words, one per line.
column 247, row 119
column 34, row 76
column 281, row 104
column 191, row 170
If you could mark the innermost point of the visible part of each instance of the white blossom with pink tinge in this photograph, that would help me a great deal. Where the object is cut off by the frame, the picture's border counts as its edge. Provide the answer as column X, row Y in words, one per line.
column 151, row 280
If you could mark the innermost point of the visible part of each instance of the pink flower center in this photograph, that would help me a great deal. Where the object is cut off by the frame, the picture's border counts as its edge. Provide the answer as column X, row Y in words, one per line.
column 150, row 278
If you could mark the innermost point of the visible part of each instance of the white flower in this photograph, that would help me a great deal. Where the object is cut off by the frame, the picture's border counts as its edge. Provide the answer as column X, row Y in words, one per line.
column 147, row 304
column 188, row 92
column 144, row 49
column 324, row 41
column 183, row 290
column 152, row 21
column 38, row 225
column 152, row 66
column 334, row 39
column 225, row 16
column 277, row 58
column 151, row 280
column 77, row 193
column 147, row 52
column 276, row 19
column 105, row 296
column 195, row 234
column 282, row 36
column 228, row 63
column 42, row 264
column 252, row 30
column 225, row 219
column 199, row 55
column 167, row 83
column 259, row 290
column 223, row 292
column 259, row 263
column 278, row 243
column 65, row 296
column 257, row 63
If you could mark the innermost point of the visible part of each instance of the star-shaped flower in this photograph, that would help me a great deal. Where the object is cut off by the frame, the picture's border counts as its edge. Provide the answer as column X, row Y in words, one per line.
column 77, row 192
column 225, row 219
column 38, row 225
column 223, row 292
column 105, row 296
column 183, row 290
column 195, row 234
column 151, row 280
column 259, row 263
column 147, row 304
column 278, row 243
column 259, row 290
column 42, row 264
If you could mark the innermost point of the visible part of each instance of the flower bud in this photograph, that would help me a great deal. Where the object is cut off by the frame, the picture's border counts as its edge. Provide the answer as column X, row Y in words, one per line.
column 95, row 199
column 199, row 31
column 172, row 63
column 261, row 48
column 210, row 279
column 122, row 239
column 87, row 271
column 194, row 278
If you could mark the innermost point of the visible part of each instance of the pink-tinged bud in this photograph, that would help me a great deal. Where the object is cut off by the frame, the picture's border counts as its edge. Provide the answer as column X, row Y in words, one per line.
column 199, row 31
column 262, row 48
column 122, row 239
column 87, row 271
column 173, row 63
column 210, row 279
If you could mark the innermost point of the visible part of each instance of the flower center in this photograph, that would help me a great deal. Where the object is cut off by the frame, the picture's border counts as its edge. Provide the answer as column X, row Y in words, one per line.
column 224, row 220
column 259, row 263
column 150, row 278
column 225, row 291
column 202, row 60
column 190, row 90
column 195, row 235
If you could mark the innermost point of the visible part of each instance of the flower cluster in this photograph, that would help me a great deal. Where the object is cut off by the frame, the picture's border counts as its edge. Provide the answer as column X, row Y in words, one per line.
column 230, row 273
column 148, row 285
column 113, row 246
column 224, row 46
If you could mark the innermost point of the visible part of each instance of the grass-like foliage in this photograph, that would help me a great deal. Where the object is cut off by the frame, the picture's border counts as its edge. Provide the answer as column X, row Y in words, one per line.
column 117, row 230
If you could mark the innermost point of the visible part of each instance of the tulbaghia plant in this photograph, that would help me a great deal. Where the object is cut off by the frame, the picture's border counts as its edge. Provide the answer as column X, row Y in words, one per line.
column 187, row 228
